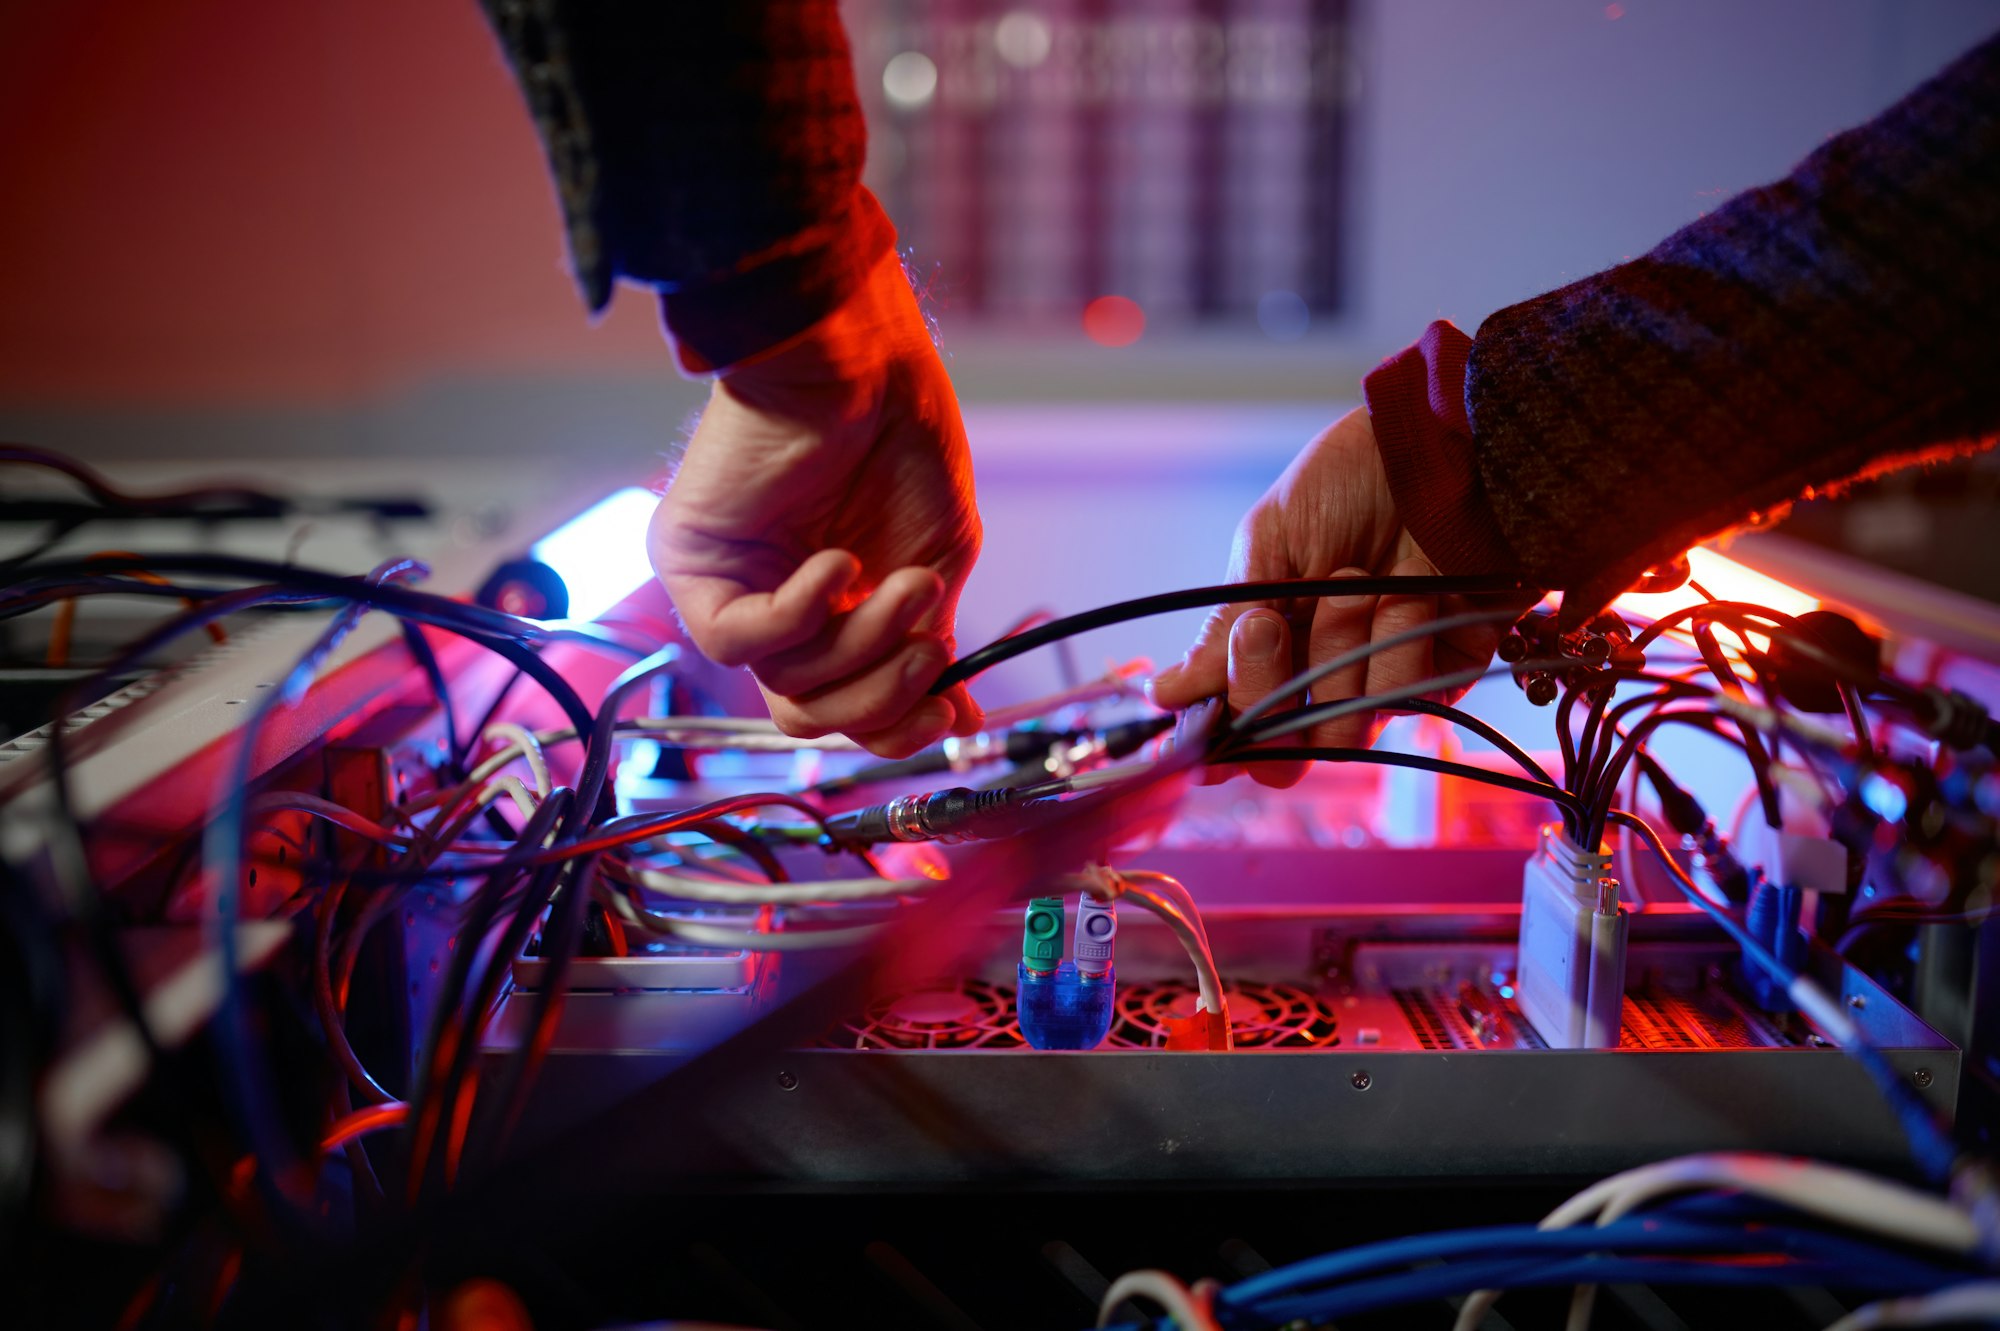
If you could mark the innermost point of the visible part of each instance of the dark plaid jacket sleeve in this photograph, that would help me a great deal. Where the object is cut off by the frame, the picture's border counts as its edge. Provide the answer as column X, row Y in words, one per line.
column 1838, row 322
column 710, row 150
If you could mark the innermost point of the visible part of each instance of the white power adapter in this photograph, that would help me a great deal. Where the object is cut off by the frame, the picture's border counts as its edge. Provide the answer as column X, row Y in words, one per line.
column 1570, row 975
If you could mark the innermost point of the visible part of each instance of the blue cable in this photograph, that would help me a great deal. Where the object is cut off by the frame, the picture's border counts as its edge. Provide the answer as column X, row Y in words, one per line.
column 247, row 1087
column 1900, row 1275
column 1703, row 1223
column 247, row 1092
column 1934, row 1152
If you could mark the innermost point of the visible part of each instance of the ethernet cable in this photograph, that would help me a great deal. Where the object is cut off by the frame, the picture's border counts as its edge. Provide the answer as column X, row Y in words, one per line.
column 1933, row 1151
column 1671, row 1244
column 1844, row 1196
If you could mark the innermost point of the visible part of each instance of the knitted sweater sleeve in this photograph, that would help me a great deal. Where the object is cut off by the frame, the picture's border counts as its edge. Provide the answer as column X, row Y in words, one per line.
column 712, row 151
column 1833, row 324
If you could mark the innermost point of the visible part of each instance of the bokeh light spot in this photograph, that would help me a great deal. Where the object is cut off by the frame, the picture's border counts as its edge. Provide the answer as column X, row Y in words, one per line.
column 1283, row 315
column 909, row 80
column 1023, row 39
column 1113, row 321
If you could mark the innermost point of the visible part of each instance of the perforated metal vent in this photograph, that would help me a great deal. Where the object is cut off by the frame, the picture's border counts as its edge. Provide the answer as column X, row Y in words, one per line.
column 1425, row 1022
column 1261, row 1016
column 970, row 1014
column 975, row 1014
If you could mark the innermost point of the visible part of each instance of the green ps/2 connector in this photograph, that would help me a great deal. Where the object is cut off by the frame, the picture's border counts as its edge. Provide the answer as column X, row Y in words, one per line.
column 1041, row 935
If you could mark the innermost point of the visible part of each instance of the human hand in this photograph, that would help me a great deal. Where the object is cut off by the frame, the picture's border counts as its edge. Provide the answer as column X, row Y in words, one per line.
column 1329, row 515
column 821, row 526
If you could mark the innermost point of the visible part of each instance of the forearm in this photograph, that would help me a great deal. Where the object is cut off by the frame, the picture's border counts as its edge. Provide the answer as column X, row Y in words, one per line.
column 1834, row 323
column 712, row 151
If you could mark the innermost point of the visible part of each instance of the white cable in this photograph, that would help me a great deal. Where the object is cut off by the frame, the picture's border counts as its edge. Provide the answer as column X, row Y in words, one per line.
column 704, row 934
column 750, row 733
column 291, row 801
column 529, row 747
column 1185, row 922
column 688, row 887
column 511, row 786
column 1974, row 1301
column 750, row 741
column 1176, row 892
column 1157, row 1287
column 1107, row 776
column 1845, row 1196
column 1119, row 682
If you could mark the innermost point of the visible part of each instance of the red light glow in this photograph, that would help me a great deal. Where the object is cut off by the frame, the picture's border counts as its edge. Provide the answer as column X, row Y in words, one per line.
column 1726, row 580
column 1113, row 321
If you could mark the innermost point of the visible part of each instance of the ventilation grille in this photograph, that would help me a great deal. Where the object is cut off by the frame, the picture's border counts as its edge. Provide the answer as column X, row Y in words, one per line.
column 1425, row 1023
column 34, row 741
column 1261, row 1016
column 973, row 1014
column 1661, row 1019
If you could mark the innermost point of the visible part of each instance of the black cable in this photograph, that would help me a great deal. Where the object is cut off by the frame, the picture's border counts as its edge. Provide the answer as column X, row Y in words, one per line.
column 1566, row 737
column 1300, row 718
column 420, row 648
column 486, row 719
column 1422, row 762
column 1600, row 756
column 1857, row 719
column 1606, row 788
column 190, row 502
column 440, row 1077
column 1753, row 743
column 85, row 896
column 504, row 634
column 1194, row 598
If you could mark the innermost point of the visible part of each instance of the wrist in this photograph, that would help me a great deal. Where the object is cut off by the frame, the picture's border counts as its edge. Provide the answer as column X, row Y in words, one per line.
column 842, row 367
column 780, row 293
column 1416, row 407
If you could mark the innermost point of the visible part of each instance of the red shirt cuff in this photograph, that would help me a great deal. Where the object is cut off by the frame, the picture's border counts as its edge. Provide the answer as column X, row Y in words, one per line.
column 1416, row 403
column 775, row 295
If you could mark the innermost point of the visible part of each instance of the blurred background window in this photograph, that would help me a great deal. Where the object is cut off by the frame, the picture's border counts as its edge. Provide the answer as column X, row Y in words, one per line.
column 1186, row 158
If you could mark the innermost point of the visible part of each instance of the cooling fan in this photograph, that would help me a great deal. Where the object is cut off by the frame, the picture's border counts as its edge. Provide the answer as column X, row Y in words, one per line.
column 1261, row 1016
column 963, row 1014
column 975, row 1014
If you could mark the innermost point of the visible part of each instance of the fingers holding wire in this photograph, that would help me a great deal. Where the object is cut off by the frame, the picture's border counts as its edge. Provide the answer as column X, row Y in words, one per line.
column 735, row 626
column 1339, row 625
column 856, row 641
column 887, row 709
column 1260, row 661
column 1204, row 672
column 1409, row 662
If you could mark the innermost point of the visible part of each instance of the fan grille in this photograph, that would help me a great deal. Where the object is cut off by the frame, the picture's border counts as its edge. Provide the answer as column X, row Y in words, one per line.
column 967, row 1014
column 1261, row 1016
column 976, row 1014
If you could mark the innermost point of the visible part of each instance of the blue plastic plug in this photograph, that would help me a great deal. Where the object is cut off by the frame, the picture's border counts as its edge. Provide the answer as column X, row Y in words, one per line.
column 1067, row 1009
column 1069, row 1006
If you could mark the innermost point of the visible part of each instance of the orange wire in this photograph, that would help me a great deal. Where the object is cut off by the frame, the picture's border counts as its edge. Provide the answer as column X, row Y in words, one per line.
column 61, row 632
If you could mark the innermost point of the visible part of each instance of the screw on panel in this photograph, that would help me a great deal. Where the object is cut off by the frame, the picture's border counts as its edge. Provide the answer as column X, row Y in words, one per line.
column 788, row 1081
column 1923, row 1079
column 1856, row 1001
column 1361, row 1081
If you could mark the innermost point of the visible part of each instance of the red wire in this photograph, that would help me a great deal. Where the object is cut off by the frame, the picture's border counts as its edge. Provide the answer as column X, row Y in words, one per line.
column 364, row 1121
